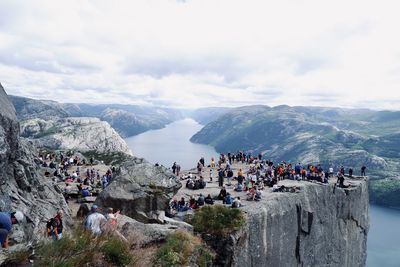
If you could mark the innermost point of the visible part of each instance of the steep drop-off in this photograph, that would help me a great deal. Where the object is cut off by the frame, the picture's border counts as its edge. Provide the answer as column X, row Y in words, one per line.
column 323, row 225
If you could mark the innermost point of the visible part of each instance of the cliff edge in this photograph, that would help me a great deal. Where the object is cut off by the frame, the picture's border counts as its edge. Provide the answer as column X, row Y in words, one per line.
column 322, row 225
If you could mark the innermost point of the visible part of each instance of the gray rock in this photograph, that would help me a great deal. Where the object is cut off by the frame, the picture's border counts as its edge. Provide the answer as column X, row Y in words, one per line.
column 321, row 226
column 22, row 187
column 142, row 234
column 82, row 134
column 140, row 190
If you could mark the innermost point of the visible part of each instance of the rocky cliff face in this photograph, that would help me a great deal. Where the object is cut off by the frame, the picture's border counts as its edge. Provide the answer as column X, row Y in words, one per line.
column 22, row 186
column 74, row 133
column 321, row 226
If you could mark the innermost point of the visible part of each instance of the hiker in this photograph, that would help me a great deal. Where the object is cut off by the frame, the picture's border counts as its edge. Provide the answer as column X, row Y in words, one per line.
column 208, row 200
column 112, row 216
column 363, row 168
column 174, row 168
column 95, row 221
column 192, row 203
column 238, row 188
column 182, row 205
column 221, row 175
column 222, row 193
column 178, row 169
column 236, row 203
column 6, row 222
column 200, row 200
column 340, row 179
column 228, row 199
column 229, row 174
column 350, row 172
column 55, row 226
column 211, row 175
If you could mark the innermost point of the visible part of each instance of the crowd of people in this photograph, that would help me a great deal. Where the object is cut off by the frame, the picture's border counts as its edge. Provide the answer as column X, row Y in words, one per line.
column 259, row 174
column 69, row 168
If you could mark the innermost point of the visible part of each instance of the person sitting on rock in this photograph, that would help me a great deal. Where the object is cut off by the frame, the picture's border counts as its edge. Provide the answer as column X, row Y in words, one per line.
column 85, row 192
column 222, row 193
column 236, row 203
column 209, row 200
column 182, row 206
column 202, row 183
column 192, row 203
column 238, row 188
column 95, row 221
column 258, row 194
column 190, row 183
column 228, row 199
column 200, row 200
column 6, row 222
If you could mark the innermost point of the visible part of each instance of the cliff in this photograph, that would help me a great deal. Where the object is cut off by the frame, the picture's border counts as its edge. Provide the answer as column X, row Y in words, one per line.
column 22, row 186
column 74, row 133
column 320, row 226
column 127, row 120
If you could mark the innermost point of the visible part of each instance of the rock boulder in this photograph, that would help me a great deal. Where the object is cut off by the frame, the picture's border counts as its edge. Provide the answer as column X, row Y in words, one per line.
column 141, row 190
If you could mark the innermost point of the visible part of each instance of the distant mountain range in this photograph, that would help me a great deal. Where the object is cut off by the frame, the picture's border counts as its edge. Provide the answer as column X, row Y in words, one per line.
column 330, row 136
column 127, row 120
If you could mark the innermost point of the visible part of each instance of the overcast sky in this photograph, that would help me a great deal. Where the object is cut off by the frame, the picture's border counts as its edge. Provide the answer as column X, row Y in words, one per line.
column 199, row 53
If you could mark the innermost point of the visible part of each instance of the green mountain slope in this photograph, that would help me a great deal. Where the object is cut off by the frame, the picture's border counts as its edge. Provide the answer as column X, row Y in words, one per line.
column 330, row 136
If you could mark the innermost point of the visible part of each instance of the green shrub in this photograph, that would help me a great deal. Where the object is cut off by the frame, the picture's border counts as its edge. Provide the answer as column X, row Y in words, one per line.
column 217, row 220
column 117, row 251
column 81, row 248
column 181, row 248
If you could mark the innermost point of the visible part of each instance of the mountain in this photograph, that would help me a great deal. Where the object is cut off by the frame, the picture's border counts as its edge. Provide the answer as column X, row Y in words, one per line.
column 83, row 134
column 330, row 136
column 127, row 120
column 207, row 115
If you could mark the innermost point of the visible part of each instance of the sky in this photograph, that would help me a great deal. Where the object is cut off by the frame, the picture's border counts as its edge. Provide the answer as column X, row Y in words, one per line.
column 199, row 53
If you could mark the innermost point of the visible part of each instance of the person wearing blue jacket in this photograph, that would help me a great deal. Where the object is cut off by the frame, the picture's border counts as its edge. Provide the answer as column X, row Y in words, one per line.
column 6, row 221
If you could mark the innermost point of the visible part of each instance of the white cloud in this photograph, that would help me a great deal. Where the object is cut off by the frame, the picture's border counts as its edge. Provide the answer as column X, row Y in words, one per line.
column 203, row 52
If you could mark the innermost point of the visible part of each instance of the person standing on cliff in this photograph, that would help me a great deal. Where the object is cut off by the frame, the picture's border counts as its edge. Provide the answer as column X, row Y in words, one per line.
column 363, row 168
column 174, row 168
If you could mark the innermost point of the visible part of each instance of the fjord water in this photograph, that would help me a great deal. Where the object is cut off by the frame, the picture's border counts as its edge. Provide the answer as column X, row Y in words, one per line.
column 172, row 144
column 383, row 237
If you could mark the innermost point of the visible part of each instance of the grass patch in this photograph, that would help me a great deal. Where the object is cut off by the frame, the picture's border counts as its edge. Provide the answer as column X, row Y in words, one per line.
column 181, row 249
column 217, row 220
column 81, row 248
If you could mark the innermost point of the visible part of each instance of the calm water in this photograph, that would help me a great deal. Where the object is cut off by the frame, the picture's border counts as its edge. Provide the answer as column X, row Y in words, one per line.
column 384, row 237
column 172, row 144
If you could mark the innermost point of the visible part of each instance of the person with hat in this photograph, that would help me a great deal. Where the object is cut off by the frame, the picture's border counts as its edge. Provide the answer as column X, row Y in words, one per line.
column 95, row 221
column 6, row 222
